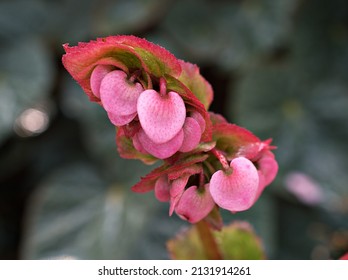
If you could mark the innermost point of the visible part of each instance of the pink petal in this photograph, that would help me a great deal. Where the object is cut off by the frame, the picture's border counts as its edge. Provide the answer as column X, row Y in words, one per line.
column 118, row 95
column 161, row 117
column 164, row 150
column 305, row 188
column 268, row 167
column 176, row 190
column 120, row 120
column 97, row 76
column 198, row 117
column 192, row 135
column 236, row 191
column 137, row 145
column 162, row 189
column 194, row 205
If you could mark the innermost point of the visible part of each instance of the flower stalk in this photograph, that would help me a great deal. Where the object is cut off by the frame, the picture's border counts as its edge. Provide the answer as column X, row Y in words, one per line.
column 210, row 246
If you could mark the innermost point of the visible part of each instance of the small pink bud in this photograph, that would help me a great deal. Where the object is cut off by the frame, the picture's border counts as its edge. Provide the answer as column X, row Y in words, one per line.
column 163, row 150
column 97, row 76
column 192, row 135
column 236, row 191
column 195, row 204
column 162, row 189
column 118, row 95
column 161, row 117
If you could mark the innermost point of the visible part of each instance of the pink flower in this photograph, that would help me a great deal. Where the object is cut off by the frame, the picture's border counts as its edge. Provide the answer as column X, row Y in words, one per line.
column 195, row 204
column 235, row 189
column 159, row 105
column 145, row 89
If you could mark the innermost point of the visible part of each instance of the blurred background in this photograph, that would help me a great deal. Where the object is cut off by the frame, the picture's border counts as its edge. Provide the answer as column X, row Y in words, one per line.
column 278, row 68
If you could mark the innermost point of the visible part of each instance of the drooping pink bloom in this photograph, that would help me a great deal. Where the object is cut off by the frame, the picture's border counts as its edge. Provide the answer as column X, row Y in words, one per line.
column 159, row 105
column 119, row 97
column 161, row 117
column 162, row 150
column 195, row 204
column 235, row 189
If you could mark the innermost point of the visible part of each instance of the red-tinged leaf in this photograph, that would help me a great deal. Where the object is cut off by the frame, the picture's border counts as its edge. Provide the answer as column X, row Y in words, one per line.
column 188, row 171
column 193, row 80
column 181, row 166
column 204, row 147
column 80, row 60
column 193, row 104
column 237, row 241
column 217, row 118
column 235, row 141
column 127, row 150
column 157, row 59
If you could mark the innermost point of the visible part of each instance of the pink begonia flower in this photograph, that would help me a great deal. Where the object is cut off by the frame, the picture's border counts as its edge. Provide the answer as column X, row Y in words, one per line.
column 159, row 104
column 121, row 73
column 235, row 189
column 161, row 117
column 162, row 187
column 195, row 204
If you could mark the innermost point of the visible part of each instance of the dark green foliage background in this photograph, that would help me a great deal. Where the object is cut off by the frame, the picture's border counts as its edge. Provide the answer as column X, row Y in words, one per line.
column 279, row 68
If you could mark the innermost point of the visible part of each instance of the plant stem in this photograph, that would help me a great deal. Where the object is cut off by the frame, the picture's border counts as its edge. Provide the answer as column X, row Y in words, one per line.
column 208, row 241
column 221, row 158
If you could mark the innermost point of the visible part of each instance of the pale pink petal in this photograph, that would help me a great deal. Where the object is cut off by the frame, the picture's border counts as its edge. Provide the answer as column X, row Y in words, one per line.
column 137, row 145
column 164, row 150
column 120, row 120
column 304, row 188
column 267, row 169
column 236, row 191
column 194, row 205
column 192, row 135
column 176, row 190
column 198, row 117
column 268, row 166
column 97, row 76
column 162, row 189
column 118, row 95
column 161, row 117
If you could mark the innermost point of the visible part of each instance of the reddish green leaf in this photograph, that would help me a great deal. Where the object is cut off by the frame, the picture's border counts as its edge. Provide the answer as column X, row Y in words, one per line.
column 235, row 140
column 126, row 149
column 193, row 80
column 237, row 241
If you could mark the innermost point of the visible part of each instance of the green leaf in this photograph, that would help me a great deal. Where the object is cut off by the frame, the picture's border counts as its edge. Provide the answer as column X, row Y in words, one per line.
column 76, row 213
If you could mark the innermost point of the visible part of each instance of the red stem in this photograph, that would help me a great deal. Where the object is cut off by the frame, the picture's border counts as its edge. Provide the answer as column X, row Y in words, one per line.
column 221, row 158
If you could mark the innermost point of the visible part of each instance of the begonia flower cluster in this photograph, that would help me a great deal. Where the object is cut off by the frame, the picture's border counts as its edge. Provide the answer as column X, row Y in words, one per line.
column 159, row 106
